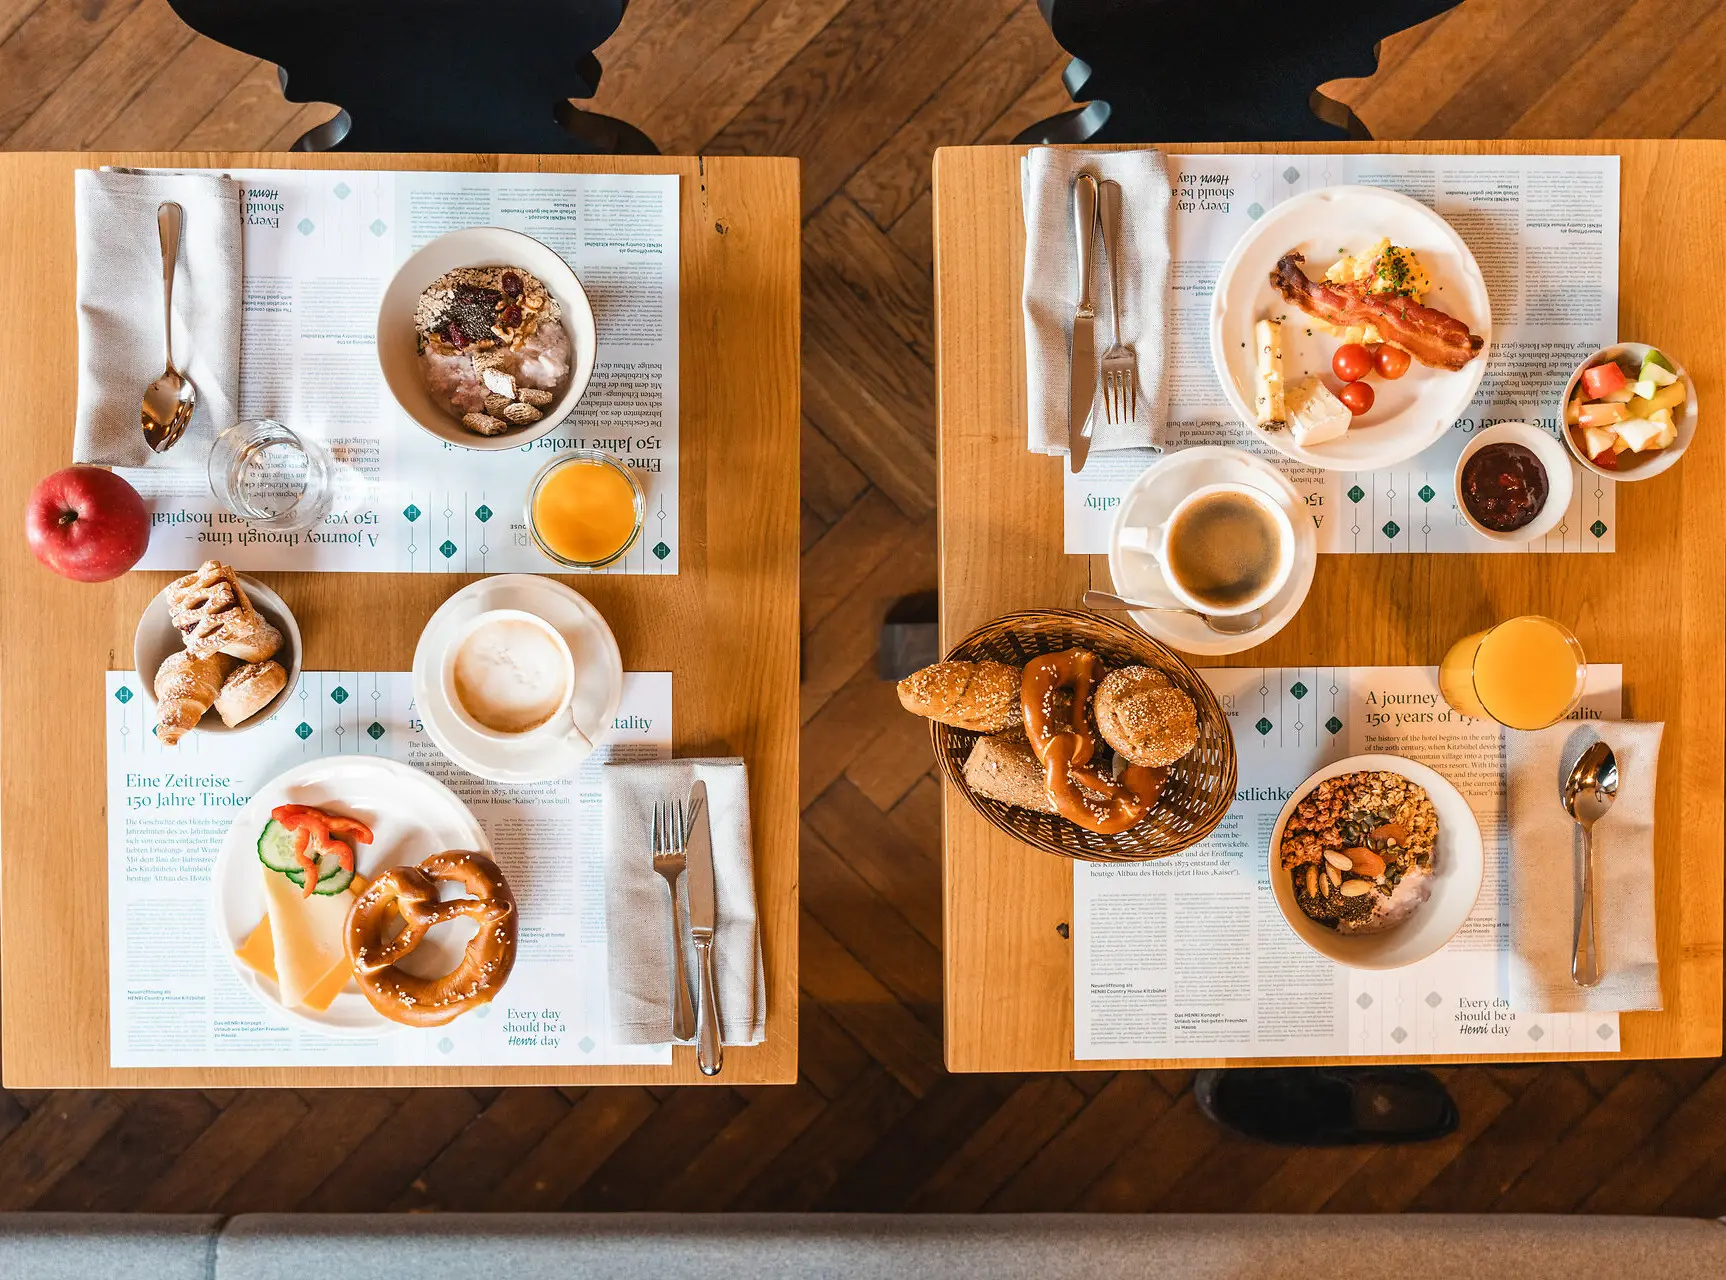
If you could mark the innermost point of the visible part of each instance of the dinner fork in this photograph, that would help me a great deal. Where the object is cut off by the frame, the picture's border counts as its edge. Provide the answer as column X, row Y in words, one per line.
column 670, row 861
column 1120, row 380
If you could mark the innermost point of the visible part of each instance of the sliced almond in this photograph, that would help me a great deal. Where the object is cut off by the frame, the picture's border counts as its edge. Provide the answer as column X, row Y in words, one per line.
column 1341, row 861
column 1355, row 888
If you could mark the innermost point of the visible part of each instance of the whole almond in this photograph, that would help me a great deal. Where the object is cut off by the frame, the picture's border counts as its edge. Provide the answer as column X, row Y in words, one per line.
column 1311, row 881
column 1333, row 875
column 1341, row 861
column 1355, row 888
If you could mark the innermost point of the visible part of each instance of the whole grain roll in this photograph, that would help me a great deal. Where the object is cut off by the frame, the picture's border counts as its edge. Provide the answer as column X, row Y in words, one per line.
column 1003, row 767
column 1144, row 717
column 980, row 696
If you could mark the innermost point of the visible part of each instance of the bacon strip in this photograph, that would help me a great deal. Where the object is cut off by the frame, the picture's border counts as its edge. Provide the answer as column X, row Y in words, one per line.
column 1426, row 333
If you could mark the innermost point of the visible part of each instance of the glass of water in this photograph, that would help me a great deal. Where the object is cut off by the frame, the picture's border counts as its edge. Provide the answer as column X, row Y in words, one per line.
column 270, row 476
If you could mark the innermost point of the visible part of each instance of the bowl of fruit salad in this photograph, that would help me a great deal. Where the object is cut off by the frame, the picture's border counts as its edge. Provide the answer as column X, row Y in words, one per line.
column 1629, row 411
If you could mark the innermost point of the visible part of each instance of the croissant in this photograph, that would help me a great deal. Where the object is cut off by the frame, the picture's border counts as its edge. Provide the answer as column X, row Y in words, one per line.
column 185, row 688
column 214, row 614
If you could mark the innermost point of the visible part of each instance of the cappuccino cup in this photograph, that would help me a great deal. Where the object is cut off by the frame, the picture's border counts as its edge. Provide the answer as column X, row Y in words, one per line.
column 508, row 675
column 1224, row 549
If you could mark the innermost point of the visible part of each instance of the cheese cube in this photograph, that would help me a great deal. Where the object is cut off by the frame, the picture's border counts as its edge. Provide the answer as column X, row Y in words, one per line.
column 1315, row 415
column 1268, row 399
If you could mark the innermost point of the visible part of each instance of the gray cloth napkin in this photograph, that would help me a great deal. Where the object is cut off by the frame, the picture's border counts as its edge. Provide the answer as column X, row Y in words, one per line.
column 1545, row 864
column 638, row 910
column 1052, row 291
column 120, row 311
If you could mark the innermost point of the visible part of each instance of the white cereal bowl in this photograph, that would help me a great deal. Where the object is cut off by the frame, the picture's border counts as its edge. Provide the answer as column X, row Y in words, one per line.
column 1459, row 862
column 156, row 638
column 398, row 346
column 1560, row 479
column 1636, row 466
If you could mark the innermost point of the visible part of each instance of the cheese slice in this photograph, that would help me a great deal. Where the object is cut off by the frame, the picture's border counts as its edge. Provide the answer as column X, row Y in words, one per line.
column 259, row 951
column 1315, row 415
column 307, row 935
column 1268, row 375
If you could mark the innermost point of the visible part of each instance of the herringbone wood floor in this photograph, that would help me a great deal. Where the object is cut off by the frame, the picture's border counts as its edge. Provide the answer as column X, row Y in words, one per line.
column 863, row 90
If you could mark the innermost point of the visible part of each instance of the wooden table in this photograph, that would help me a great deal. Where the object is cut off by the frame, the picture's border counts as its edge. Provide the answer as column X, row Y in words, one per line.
column 1657, row 605
column 725, row 625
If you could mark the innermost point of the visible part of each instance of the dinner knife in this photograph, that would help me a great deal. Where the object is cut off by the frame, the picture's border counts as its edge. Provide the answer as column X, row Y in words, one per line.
column 1084, row 361
column 700, row 877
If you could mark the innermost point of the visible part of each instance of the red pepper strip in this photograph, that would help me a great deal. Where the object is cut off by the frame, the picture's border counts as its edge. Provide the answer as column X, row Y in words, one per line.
column 313, row 827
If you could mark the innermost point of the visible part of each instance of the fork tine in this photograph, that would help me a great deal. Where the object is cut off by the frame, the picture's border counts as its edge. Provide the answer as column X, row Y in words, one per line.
column 677, row 833
column 1133, row 392
column 657, row 849
column 1109, row 397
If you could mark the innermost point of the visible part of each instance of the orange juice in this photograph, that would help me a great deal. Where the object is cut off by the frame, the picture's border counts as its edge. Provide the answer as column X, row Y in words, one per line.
column 585, row 509
column 1526, row 673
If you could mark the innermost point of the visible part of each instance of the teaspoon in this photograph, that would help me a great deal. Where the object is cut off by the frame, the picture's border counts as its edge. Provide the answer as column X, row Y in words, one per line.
column 1588, row 793
column 1232, row 624
column 169, row 399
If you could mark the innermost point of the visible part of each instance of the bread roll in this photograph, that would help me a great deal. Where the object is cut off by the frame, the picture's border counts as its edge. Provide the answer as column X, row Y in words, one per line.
column 1144, row 717
column 980, row 696
column 1003, row 767
column 247, row 690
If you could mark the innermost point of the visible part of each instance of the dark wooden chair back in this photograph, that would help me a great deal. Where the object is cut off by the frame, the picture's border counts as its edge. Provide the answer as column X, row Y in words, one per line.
column 1216, row 70
column 434, row 75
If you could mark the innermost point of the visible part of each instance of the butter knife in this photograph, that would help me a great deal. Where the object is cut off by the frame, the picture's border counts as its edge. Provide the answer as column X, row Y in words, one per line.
column 1084, row 362
column 700, row 880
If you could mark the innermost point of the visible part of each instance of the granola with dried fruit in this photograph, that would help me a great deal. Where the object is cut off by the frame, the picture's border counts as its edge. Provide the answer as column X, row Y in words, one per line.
column 1359, row 850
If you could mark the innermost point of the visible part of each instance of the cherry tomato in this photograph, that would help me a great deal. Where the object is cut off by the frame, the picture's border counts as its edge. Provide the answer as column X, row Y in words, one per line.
column 1391, row 362
column 1352, row 362
column 1357, row 396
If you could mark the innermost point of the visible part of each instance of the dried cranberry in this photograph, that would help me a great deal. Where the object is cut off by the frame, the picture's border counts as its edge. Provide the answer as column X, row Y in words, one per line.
column 457, row 338
column 511, row 284
column 511, row 316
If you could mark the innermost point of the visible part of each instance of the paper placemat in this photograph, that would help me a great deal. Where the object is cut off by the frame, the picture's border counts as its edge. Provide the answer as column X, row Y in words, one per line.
column 1544, row 230
column 1190, row 957
column 320, row 249
column 173, row 997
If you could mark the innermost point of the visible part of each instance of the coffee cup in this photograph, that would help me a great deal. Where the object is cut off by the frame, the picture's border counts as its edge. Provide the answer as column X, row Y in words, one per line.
column 1223, row 549
column 508, row 675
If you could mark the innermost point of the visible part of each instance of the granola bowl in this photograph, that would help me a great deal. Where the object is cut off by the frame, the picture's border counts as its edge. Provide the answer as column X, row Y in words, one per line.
column 551, row 290
column 1376, row 861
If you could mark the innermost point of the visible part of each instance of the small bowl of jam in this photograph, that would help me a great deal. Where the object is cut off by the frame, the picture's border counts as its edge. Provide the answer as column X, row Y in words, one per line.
column 1514, row 482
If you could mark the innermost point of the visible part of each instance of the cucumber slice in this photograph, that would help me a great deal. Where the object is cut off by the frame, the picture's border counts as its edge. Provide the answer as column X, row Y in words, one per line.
column 332, row 876
column 276, row 848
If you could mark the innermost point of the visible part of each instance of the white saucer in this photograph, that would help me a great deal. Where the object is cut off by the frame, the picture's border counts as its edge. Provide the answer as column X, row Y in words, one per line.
column 412, row 816
column 598, row 679
column 1149, row 502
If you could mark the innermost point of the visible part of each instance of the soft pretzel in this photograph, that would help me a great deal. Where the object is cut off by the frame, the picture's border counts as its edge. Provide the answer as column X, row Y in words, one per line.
column 412, row 893
column 1055, row 694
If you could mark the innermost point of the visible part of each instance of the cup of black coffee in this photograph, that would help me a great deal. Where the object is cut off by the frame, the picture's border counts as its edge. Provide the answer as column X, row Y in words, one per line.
column 1224, row 549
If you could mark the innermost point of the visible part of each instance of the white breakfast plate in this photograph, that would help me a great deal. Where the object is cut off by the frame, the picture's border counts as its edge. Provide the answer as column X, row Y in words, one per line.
column 412, row 816
column 598, row 678
column 1459, row 865
column 1409, row 414
column 398, row 342
column 1154, row 494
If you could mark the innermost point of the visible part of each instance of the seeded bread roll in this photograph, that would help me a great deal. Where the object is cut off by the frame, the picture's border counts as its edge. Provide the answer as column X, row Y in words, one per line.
column 1144, row 717
column 980, row 696
column 1004, row 768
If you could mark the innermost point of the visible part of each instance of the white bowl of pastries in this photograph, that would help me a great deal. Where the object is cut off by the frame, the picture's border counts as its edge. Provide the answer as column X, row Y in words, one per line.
column 217, row 652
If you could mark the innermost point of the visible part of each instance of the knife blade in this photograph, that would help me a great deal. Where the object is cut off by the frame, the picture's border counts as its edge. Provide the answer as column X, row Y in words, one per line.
column 1084, row 357
column 699, row 877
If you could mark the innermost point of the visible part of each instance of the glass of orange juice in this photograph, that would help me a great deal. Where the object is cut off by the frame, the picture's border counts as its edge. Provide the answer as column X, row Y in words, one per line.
column 584, row 509
column 1525, row 673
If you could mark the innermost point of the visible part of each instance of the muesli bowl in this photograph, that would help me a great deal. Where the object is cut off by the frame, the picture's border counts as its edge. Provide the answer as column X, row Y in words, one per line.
column 1404, row 917
column 399, row 340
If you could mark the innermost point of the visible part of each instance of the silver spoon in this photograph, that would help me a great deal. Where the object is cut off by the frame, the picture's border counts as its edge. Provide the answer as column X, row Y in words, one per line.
column 1232, row 624
column 1588, row 793
column 169, row 399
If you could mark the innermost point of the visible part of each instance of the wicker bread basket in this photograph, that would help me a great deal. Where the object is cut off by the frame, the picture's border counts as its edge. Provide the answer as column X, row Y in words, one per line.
column 1200, row 787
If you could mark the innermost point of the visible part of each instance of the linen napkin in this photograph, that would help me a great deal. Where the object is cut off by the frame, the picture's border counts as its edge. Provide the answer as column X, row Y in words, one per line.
column 1545, row 869
column 120, row 311
column 638, row 909
column 1052, row 291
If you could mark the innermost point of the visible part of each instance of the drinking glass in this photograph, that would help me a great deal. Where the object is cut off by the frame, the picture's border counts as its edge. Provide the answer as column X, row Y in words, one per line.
column 270, row 476
column 584, row 495
column 1525, row 673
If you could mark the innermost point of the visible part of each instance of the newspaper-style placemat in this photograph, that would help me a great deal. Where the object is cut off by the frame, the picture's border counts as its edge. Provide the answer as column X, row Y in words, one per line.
column 320, row 249
column 1544, row 230
column 1190, row 957
column 174, row 999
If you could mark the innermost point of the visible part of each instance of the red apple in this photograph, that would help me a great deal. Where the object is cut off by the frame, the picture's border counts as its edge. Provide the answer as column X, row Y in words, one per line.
column 86, row 524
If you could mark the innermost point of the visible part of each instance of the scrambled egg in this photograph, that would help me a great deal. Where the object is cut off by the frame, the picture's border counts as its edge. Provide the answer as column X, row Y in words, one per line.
column 1384, row 268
